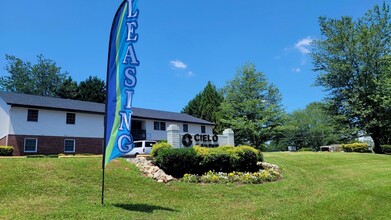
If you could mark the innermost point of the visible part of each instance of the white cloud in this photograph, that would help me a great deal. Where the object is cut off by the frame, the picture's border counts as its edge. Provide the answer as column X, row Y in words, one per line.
column 304, row 44
column 296, row 70
column 177, row 64
column 190, row 74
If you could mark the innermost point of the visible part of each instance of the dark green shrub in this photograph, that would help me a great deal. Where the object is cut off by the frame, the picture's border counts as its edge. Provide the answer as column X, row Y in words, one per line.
column 386, row 149
column 228, row 159
column 356, row 147
column 216, row 160
column 42, row 156
column 158, row 146
column 177, row 162
column 6, row 150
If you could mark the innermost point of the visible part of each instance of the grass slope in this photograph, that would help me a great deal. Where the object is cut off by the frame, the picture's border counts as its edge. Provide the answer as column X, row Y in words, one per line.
column 315, row 186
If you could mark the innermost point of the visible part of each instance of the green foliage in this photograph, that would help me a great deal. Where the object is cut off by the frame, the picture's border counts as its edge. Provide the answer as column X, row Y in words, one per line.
column 356, row 147
column 205, row 104
column 42, row 156
column 251, row 107
column 305, row 149
column 43, row 78
column 311, row 128
column 177, row 162
column 353, row 59
column 92, row 89
column 159, row 146
column 68, row 89
column 233, row 177
column 6, row 150
column 200, row 160
column 386, row 149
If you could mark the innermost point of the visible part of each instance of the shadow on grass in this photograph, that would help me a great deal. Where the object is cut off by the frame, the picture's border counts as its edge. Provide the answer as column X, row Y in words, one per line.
column 143, row 207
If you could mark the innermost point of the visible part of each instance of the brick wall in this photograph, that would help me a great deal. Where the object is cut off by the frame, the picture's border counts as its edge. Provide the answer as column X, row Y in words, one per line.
column 3, row 141
column 55, row 145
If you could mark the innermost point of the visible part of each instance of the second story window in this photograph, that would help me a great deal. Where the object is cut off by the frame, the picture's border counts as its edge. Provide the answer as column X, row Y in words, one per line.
column 71, row 118
column 32, row 115
column 203, row 129
column 185, row 128
column 159, row 125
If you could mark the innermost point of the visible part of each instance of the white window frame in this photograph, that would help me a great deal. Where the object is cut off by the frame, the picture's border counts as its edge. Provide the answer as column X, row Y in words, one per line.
column 74, row 145
column 36, row 145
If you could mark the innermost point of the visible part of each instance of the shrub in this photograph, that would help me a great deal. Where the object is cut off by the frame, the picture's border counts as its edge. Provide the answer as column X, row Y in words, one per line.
column 199, row 160
column 234, row 177
column 158, row 146
column 177, row 162
column 6, row 150
column 386, row 149
column 356, row 147
column 42, row 156
column 305, row 149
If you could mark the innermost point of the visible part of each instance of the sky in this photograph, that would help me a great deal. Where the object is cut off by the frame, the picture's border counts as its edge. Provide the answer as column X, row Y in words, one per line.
column 182, row 44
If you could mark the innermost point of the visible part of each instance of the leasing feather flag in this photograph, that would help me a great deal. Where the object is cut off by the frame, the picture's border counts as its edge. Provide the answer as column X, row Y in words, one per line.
column 121, row 81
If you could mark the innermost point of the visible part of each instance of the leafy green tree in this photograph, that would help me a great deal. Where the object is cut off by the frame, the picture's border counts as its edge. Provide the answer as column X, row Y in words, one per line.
column 311, row 128
column 206, row 104
column 353, row 61
column 92, row 89
column 251, row 107
column 42, row 78
column 68, row 89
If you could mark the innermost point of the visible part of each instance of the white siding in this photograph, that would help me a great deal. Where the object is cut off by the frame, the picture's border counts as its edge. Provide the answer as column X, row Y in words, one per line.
column 4, row 118
column 53, row 123
column 162, row 135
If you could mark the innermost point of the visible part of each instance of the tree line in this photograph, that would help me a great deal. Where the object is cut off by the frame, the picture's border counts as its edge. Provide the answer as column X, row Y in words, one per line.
column 45, row 78
column 353, row 62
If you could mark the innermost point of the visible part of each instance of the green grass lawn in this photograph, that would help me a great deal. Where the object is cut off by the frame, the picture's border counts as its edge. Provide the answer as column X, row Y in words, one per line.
column 315, row 186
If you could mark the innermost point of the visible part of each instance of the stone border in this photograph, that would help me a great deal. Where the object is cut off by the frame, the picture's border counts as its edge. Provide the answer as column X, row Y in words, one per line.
column 148, row 169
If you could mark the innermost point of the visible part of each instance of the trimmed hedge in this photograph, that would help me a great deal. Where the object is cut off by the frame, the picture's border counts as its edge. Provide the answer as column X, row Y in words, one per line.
column 305, row 149
column 177, row 161
column 158, row 146
column 6, row 150
column 356, row 147
column 199, row 160
column 386, row 149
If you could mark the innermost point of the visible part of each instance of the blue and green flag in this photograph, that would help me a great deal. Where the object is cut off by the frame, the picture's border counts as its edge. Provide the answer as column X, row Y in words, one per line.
column 121, row 81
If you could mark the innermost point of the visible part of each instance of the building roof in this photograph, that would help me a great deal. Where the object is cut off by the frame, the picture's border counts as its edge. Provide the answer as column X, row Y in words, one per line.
column 33, row 101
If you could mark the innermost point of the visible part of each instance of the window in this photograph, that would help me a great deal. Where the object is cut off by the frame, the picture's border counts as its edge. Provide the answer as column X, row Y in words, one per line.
column 138, row 144
column 30, row 145
column 69, row 146
column 32, row 115
column 159, row 125
column 203, row 129
column 71, row 118
column 185, row 128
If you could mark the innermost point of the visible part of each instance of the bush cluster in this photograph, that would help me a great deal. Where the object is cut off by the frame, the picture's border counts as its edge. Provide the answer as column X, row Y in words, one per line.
column 6, row 150
column 158, row 146
column 386, row 149
column 199, row 160
column 356, row 147
column 233, row 177
column 305, row 149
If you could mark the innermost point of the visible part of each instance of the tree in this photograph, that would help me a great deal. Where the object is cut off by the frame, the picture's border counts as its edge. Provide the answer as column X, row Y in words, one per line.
column 251, row 107
column 92, row 89
column 68, row 89
column 43, row 78
column 205, row 104
column 310, row 128
column 353, row 61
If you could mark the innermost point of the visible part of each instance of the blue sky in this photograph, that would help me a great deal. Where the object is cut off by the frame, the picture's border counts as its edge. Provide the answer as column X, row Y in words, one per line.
column 182, row 44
